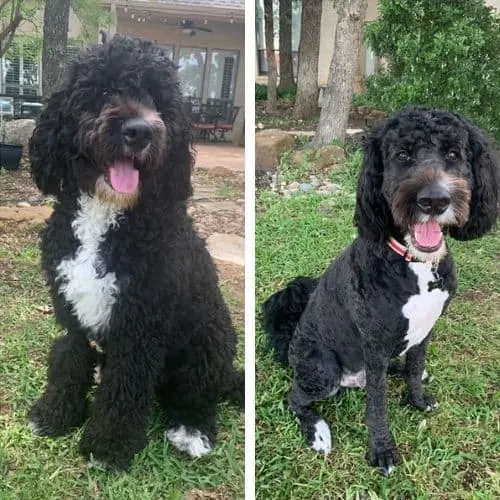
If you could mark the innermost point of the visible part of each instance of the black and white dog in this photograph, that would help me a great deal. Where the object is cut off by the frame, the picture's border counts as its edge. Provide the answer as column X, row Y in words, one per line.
column 132, row 284
column 425, row 172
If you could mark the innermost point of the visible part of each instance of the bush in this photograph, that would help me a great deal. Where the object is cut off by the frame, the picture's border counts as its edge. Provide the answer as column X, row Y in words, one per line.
column 285, row 94
column 443, row 54
column 260, row 92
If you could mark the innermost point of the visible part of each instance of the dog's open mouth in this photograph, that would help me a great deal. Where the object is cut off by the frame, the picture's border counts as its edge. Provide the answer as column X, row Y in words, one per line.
column 122, row 176
column 427, row 236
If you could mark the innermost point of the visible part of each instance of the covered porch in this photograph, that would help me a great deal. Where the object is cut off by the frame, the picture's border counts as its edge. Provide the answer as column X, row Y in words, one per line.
column 206, row 39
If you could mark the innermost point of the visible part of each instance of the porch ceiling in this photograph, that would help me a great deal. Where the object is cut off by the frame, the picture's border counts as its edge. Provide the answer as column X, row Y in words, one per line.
column 216, row 10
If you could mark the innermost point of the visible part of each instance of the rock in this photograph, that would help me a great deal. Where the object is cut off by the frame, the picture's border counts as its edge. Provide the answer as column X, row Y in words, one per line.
column 319, row 158
column 269, row 146
column 294, row 186
column 34, row 215
column 18, row 132
column 219, row 206
column 204, row 192
column 306, row 187
column 327, row 207
column 227, row 247
column 315, row 183
column 23, row 204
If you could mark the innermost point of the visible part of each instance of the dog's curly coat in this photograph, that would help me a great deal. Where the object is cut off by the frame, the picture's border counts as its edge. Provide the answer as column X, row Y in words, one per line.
column 425, row 171
column 131, row 282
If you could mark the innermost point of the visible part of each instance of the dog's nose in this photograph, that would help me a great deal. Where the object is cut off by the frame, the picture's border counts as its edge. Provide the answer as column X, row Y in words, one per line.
column 137, row 134
column 433, row 200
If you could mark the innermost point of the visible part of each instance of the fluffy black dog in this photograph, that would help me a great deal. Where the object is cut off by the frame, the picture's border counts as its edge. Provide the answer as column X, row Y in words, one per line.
column 131, row 282
column 425, row 172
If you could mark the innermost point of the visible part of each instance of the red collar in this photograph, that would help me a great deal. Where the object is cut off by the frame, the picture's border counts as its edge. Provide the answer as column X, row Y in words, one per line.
column 400, row 249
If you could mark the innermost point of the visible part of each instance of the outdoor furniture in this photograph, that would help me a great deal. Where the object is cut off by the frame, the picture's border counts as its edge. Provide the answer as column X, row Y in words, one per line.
column 222, row 128
column 30, row 106
column 204, row 122
column 6, row 107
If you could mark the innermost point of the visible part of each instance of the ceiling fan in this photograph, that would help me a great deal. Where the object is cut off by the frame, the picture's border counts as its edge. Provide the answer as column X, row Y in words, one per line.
column 190, row 27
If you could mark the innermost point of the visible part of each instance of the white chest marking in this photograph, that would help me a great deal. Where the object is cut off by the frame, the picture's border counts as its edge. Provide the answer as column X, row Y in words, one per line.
column 424, row 309
column 92, row 296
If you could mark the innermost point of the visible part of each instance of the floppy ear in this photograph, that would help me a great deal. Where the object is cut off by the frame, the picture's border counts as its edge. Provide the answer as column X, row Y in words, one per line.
column 485, row 197
column 49, row 146
column 180, row 159
column 372, row 215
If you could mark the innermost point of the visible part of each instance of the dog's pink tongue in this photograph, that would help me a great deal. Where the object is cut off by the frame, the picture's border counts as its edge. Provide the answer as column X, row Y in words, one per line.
column 428, row 234
column 124, row 177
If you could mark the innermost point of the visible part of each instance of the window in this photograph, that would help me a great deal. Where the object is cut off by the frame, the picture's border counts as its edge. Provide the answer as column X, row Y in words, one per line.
column 223, row 71
column 191, row 71
column 20, row 69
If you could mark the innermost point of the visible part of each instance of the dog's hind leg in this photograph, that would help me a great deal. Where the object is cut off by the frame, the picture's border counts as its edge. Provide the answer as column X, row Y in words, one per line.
column 317, row 376
column 70, row 373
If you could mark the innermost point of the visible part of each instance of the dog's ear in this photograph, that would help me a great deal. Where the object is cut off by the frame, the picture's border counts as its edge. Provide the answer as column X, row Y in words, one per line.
column 48, row 146
column 372, row 215
column 180, row 160
column 485, row 196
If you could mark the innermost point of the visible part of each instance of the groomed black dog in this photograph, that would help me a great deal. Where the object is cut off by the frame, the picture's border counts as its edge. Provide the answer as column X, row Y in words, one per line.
column 425, row 172
column 131, row 282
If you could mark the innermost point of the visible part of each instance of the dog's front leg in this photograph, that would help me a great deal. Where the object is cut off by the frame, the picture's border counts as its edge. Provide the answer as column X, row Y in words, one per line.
column 116, row 430
column 382, row 450
column 415, row 364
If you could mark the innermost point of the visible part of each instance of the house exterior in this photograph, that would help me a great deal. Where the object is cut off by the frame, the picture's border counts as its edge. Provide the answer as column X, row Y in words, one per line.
column 204, row 38
column 366, row 60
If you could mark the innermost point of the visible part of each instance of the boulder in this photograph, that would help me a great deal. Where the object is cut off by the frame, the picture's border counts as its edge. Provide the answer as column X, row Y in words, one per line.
column 269, row 146
column 319, row 158
column 17, row 132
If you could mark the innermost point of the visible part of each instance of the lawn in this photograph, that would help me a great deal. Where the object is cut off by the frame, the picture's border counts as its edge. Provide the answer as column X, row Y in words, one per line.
column 452, row 454
column 32, row 467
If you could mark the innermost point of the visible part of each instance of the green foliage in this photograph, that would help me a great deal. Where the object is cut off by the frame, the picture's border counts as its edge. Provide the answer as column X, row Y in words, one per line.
column 92, row 16
column 284, row 94
column 444, row 54
column 260, row 92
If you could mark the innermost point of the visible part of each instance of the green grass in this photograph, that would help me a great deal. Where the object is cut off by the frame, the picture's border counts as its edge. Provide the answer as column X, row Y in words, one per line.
column 452, row 454
column 32, row 467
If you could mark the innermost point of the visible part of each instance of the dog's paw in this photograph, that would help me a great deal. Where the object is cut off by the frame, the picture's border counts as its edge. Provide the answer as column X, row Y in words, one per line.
column 426, row 403
column 385, row 457
column 108, row 450
column 320, row 438
column 52, row 417
column 191, row 441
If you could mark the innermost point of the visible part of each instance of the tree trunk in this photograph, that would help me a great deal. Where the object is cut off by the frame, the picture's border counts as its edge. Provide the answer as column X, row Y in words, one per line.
column 306, row 101
column 338, row 94
column 11, row 22
column 55, row 40
column 271, row 105
column 286, row 59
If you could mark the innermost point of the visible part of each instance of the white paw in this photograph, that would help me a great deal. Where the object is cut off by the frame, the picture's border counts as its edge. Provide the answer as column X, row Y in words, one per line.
column 425, row 375
column 432, row 407
column 322, row 438
column 194, row 443
column 34, row 427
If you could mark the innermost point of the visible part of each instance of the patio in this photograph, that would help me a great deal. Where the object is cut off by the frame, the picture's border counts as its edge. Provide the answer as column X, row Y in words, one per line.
column 225, row 156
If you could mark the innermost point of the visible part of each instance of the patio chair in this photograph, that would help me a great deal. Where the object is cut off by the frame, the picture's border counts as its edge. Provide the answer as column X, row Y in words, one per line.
column 204, row 122
column 222, row 128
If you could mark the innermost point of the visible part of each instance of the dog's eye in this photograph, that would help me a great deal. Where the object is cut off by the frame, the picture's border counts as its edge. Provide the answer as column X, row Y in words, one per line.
column 403, row 156
column 452, row 155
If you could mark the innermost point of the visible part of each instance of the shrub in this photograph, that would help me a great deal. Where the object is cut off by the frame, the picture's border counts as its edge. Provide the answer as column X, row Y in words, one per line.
column 260, row 92
column 443, row 54
column 285, row 94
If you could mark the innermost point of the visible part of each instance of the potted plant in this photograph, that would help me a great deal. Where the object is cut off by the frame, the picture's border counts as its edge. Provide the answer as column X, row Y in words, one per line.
column 10, row 154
